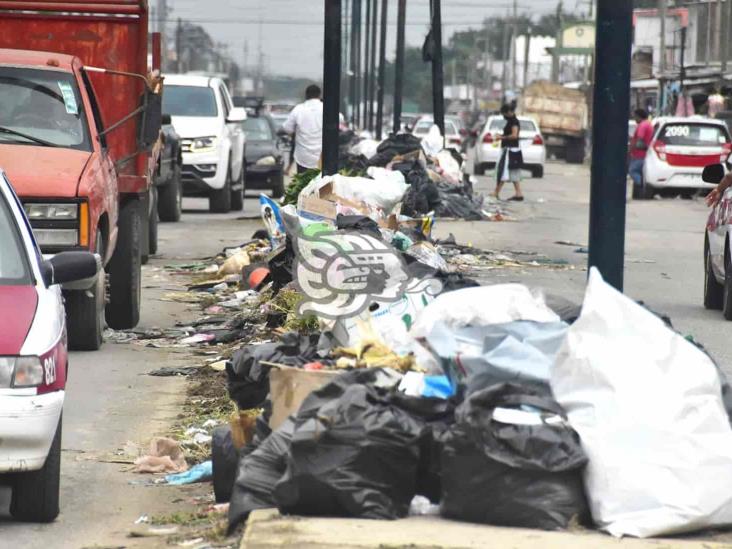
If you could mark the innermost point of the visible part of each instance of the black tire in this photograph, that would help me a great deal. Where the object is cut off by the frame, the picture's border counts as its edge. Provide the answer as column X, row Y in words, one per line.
column 170, row 198
column 648, row 191
column 36, row 493
column 237, row 195
column 713, row 290
column 538, row 172
column 153, row 224
column 478, row 168
column 575, row 152
column 123, row 309
column 727, row 289
column 637, row 192
column 85, row 311
column 278, row 185
column 219, row 200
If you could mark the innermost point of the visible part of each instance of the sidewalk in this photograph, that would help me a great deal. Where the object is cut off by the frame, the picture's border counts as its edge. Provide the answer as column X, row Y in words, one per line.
column 267, row 529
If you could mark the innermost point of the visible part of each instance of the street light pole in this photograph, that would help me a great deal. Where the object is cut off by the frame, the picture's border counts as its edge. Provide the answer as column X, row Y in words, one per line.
column 353, row 85
column 610, row 139
column 331, row 85
column 382, row 70
column 366, row 65
column 399, row 76
column 372, row 66
column 438, row 77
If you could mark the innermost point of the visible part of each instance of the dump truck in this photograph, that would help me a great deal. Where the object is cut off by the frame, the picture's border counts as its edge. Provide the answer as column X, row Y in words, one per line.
column 80, row 115
column 562, row 114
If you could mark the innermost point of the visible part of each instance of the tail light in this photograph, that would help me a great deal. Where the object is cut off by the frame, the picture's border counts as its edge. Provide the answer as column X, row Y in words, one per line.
column 456, row 140
column 726, row 150
column 537, row 140
column 660, row 148
column 488, row 138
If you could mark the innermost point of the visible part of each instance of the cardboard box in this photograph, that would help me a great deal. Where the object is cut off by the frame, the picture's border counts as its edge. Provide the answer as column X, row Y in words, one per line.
column 326, row 206
column 288, row 387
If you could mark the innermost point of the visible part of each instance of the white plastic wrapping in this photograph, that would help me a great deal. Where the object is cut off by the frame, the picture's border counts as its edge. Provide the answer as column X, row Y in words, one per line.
column 647, row 405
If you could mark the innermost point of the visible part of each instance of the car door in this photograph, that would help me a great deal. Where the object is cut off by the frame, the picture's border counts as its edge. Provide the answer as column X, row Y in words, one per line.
column 235, row 131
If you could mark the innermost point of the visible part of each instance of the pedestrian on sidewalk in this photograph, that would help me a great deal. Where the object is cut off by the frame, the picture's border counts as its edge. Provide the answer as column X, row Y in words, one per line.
column 639, row 147
column 512, row 160
column 306, row 124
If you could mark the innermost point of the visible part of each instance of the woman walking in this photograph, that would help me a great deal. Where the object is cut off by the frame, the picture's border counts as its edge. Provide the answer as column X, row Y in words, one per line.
column 511, row 161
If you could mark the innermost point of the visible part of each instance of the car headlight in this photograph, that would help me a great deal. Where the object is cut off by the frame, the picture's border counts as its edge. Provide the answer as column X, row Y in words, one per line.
column 51, row 211
column 267, row 161
column 204, row 144
column 20, row 371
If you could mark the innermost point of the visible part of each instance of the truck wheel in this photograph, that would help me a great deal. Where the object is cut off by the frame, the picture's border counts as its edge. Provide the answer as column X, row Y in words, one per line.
column 575, row 152
column 478, row 168
column 219, row 201
column 278, row 185
column 36, row 493
column 153, row 224
column 123, row 309
column 713, row 290
column 237, row 195
column 170, row 199
column 85, row 311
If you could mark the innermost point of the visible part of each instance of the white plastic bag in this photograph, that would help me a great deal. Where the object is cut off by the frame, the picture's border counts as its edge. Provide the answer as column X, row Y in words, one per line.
column 433, row 142
column 366, row 147
column 384, row 191
column 481, row 306
column 647, row 405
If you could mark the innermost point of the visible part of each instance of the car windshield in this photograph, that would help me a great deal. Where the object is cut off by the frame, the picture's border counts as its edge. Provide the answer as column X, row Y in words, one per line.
column 693, row 135
column 13, row 261
column 498, row 124
column 40, row 106
column 257, row 129
column 189, row 101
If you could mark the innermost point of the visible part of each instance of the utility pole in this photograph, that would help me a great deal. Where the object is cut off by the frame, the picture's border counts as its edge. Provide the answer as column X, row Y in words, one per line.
column 724, row 52
column 382, row 70
column 504, row 75
column 345, row 57
column 514, row 33
column 357, row 6
column 527, row 51
column 399, row 76
column 372, row 66
column 662, row 42
column 178, row 46
column 331, row 85
column 555, row 57
column 610, row 139
column 353, row 73
column 438, row 77
column 366, row 65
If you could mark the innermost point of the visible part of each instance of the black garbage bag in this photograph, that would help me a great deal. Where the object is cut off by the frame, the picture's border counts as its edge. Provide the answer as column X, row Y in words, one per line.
column 499, row 471
column 456, row 201
column 224, row 457
column 248, row 379
column 355, row 164
column 423, row 196
column 280, row 263
column 257, row 474
column 358, row 223
column 355, row 451
column 394, row 145
column 450, row 281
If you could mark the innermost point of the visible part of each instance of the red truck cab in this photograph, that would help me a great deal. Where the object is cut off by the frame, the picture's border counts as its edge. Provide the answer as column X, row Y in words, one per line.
column 78, row 118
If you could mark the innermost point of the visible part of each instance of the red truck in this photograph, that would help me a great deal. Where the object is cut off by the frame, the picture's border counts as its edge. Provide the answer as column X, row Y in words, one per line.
column 79, row 116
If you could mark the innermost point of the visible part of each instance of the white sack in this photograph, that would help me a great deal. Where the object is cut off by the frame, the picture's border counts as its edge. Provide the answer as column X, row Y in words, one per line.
column 433, row 142
column 366, row 147
column 647, row 405
column 481, row 306
column 385, row 191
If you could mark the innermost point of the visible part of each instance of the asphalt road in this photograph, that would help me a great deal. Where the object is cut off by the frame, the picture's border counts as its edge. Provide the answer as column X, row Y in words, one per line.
column 110, row 401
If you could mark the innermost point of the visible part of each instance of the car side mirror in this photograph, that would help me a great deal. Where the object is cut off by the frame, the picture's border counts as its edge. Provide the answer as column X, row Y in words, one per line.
column 237, row 114
column 152, row 119
column 166, row 120
column 67, row 267
column 713, row 173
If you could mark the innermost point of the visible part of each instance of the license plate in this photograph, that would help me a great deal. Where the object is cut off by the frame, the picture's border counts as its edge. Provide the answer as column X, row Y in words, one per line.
column 687, row 179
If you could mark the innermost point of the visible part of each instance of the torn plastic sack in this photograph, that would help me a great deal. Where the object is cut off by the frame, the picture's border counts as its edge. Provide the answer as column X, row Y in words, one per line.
column 426, row 253
column 355, row 451
column 480, row 356
column 450, row 281
column 165, row 456
column 512, row 459
column 449, row 167
column 456, row 201
column 224, row 459
column 366, row 148
column 197, row 473
column 422, row 196
column 647, row 404
column 359, row 223
column 248, row 379
column 353, row 164
column 482, row 306
column 257, row 474
column 395, row 144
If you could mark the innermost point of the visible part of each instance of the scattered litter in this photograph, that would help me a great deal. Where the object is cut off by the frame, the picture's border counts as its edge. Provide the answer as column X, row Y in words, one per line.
column 197, row 473
column 165, row 456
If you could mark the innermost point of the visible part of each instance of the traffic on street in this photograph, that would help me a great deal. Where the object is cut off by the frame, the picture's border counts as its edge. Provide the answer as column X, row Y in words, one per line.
column 270, row 273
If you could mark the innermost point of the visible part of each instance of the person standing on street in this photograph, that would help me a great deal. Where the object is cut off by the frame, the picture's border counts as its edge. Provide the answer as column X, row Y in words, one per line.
column 306, row 124
column 511, row 160
column 639, row 147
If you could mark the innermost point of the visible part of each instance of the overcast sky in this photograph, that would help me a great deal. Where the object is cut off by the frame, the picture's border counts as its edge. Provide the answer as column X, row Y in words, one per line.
column 291, row 31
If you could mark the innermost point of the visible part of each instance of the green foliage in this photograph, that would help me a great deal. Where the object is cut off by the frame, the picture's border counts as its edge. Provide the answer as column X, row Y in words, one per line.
column 298, row 183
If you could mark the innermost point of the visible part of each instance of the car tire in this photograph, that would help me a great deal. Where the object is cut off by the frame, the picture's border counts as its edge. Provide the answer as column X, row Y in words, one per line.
column 575, row 151
column 125, row 273
column 237, row 195
column 278, row 185
column 478, row 168
column 219, row 200
column 713, row 290
column 36, row 493
column 538, row 172
column 647, row 191
column 170, row 198
column 85, row 311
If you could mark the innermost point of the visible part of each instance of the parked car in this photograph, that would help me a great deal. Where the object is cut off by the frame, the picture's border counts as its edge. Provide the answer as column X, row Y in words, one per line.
column 453, row 136
column 488, row 149
column 718, row 248
column 678, row 153
column 168, row 173
column 212, row 139
column 33, row 360
column 265, row 161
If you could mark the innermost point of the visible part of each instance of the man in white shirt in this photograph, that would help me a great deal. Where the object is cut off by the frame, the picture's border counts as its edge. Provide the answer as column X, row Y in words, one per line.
column 306, row 123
